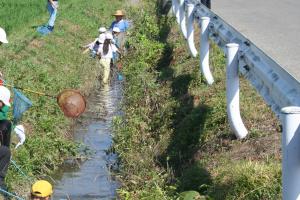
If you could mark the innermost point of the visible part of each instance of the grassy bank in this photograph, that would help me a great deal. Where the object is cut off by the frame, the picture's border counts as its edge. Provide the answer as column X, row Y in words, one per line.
column 174, row 135
column 48, row 64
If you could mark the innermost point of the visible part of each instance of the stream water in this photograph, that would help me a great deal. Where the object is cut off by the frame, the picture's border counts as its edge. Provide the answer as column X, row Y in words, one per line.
column 92, row 179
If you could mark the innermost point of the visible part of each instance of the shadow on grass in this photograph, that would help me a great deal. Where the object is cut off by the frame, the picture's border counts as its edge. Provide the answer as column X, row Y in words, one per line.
column 196, row 178
column 164, row 63
column 188, row 122
column 188, row 125
column 163, row 7
column 220, row 192
column 164, row 22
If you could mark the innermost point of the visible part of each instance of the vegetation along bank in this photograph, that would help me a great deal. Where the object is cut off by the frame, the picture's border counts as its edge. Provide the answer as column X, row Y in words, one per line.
column 174, row 135
column 48, row 64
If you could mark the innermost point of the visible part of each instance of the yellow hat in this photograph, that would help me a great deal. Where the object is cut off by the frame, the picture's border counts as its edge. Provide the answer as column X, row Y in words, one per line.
column 119, row 13
column 41, row 188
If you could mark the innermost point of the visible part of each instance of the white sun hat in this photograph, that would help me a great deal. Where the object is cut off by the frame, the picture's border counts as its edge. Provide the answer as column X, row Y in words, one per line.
column 102, row 38
column 3, row 38
column 102, row 30
column 116, row 29
column 4, row 95
column 109, row 36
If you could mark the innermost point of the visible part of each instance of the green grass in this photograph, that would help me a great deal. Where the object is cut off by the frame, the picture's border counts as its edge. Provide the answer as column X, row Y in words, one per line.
column 48, row 64
column 175, row 137
column 16, row 13
column 247, row 180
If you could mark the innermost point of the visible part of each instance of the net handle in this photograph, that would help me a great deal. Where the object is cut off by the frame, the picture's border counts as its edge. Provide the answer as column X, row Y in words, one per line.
column 28, row 90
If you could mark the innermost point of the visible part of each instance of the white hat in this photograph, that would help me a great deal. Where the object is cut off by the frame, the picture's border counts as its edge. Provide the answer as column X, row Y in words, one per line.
column 4, row 95
column 109, row 36
column 102, row 30
column 3, row 36
column 102, row 38
column 116, row 29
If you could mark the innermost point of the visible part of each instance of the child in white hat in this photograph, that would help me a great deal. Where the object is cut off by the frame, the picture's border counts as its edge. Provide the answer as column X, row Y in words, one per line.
column 93, row 46
column 106, row 52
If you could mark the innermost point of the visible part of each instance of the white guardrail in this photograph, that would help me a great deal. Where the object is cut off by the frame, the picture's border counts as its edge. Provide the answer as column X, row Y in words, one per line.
column 278, row 88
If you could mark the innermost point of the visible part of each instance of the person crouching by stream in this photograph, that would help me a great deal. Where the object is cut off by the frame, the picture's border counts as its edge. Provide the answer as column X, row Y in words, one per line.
column 5, row 125
column 41, row 190
column 94, row 46
column 106, row 51
column 5, row 132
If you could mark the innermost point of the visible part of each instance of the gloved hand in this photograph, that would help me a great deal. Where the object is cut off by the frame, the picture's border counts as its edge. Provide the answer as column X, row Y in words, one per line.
column 20, row 131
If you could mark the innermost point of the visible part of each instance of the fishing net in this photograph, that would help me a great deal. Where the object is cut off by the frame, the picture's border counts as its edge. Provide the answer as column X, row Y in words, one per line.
column 20, row 105
column 71, row 102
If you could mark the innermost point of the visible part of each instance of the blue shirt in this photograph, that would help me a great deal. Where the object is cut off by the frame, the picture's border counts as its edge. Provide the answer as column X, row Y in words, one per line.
column 122, row 25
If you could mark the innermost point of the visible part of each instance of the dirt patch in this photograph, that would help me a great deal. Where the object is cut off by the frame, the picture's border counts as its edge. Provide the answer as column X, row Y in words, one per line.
column 35, row 44
column 255, row 149
column 70, row 26
column 259, row 148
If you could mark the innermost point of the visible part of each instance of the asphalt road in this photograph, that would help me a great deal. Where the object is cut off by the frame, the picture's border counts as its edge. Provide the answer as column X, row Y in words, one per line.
column 272, row 25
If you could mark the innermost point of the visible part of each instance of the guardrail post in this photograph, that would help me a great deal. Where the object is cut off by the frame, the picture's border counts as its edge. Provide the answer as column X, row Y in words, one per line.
column 182, row 18
column 233, row 90
column 204, row 50
column 190, row 29
column 291, row 153
column 175, row 9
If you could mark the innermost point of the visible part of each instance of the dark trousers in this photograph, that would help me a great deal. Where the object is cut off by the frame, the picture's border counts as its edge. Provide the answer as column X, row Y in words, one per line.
column 5, row 131
column 4, row 163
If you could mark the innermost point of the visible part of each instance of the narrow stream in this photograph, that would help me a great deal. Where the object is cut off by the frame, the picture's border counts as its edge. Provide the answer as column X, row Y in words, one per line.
column 91, row 179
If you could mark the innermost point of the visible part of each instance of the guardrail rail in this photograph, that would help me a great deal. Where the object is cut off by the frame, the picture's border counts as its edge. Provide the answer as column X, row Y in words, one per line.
column 279, row 89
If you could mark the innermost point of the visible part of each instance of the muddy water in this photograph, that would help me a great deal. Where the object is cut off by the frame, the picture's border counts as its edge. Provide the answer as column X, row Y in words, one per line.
column 92, row 179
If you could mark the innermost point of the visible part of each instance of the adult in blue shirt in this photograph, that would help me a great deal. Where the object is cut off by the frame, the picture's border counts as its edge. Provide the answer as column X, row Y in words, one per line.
column 123, row 26
column 119, row 22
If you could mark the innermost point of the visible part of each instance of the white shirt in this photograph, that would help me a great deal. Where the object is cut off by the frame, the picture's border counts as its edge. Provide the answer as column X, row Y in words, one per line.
column 111, row 49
